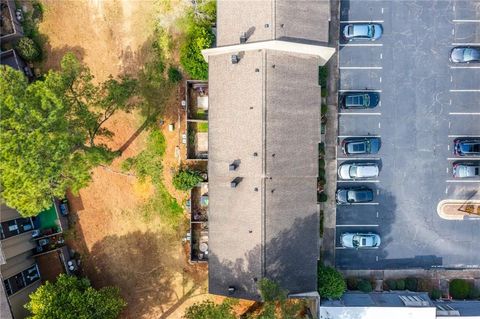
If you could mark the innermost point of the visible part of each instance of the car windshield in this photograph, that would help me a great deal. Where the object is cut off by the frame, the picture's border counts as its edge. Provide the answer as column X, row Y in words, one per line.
column 474, row 147
column 356, row 241
column 353, row 171
column 371, row 31
column 366, row 100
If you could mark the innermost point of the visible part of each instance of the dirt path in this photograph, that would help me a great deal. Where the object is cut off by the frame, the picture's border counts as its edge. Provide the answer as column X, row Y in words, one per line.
column 118, row 244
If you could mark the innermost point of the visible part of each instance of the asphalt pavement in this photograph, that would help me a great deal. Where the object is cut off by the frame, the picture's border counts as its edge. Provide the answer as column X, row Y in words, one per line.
column 426, row 103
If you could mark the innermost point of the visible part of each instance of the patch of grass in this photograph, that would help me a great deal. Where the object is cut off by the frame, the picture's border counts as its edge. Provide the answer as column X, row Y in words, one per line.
column 149, row 164
column 202, row 127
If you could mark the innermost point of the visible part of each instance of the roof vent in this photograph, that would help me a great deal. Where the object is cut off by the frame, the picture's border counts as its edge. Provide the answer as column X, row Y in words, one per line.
column 243, row 38
column 232, row 167
column 235, row 182
column 235, row 58
column 231, row 290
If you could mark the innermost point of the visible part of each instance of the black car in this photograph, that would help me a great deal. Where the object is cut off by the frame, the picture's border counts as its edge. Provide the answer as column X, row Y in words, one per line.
column 361, row 145
column 359, row 100
column 466, row 147
column 64, row 207
column 465, row 54
column 351, row 195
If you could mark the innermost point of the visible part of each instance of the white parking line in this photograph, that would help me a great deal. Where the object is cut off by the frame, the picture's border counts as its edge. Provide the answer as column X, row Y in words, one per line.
column 360, row 67
column 365, row 204
column 446, row 190
column 463, row 181
column 465, row 67
column 467, row 135
column 345, row 136
column 357, row 225
column 358, row 158
column 360, row 113
column 458, row 43
column 469, row 90
column 462, row 21
column 358, row 181
column 361, row 21
column 464, row 113
column 340, row 247
column 463, row 159
column 360, row 45
column 341, row 91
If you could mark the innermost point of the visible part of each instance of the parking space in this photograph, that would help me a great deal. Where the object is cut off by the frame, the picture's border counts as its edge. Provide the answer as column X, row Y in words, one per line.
column 426, row 102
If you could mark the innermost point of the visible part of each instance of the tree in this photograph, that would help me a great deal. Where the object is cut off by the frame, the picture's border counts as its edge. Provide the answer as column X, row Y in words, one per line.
column 48, row 131
column 208, row 310
column 199, row 36
column 185, row 179
column 330, row 282
column 71, row 297
column 275, row 297
column 459, row 288
column 28, row 49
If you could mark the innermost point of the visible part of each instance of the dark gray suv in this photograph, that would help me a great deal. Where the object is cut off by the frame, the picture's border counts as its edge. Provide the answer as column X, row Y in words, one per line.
column 361, row 145
column 359, row 100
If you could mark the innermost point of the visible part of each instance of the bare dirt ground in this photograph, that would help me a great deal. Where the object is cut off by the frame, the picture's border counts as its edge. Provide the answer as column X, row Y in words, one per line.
column 118, row 245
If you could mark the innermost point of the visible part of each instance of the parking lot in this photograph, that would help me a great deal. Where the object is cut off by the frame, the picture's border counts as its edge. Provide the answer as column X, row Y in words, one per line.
column 426, row 102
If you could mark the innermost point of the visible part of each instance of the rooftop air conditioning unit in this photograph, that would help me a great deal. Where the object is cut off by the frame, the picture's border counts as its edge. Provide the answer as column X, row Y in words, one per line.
column 235, row 58
column 243, row 38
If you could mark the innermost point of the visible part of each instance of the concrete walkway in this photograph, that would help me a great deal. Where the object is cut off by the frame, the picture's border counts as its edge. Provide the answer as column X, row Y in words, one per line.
column 329, row 207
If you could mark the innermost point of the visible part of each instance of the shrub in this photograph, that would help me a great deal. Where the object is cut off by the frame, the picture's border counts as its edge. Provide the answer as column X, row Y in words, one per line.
column 400, row 284
column 435, row 294
column 323, row 76
column 365, row 286
column 474, row 293
column 174, row 75
column 322, row 197
column 28, row 49
column 352, row 283
column 198, row 38
column 185, row 179
column 424, row 284
column 330, row 282
column 459, row 288
column 411, row 284
column 391, row 284
column 324, row 109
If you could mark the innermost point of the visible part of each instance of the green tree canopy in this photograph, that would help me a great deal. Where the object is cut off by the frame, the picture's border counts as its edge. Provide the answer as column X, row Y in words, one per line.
column 186, row 179
column 48, row 130
column 330, row 282
column 208, row 310
column 73, row 298
column 28, row 49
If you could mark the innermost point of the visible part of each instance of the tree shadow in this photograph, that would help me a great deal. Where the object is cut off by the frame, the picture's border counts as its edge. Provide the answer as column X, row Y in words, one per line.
column 289, row 259
column 53, row 56
column 142, row 265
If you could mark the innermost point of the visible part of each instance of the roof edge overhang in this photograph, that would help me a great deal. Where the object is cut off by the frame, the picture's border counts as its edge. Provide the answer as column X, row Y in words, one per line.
column 322, row 52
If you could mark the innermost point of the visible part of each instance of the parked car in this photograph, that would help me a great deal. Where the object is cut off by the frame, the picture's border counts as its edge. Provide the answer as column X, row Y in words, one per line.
column 359, row 100
column 360, row 240
column 369, row 31
column 465, row 54
column 64, row 207
column 466, row 147
column 352, row 195
column 361, row 145
column 466, row 170
column 19, row 15
column 358, row 170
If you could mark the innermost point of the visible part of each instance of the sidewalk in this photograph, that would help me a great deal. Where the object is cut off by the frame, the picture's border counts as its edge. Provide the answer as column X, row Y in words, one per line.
column 329, row 207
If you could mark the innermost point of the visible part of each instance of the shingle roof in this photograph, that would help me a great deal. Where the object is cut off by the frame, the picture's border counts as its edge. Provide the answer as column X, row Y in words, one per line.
column 264, row 116
column 300, row 20
column 268, row 225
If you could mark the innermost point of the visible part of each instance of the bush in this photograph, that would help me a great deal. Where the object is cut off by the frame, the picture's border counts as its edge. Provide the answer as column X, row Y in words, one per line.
column 391, row 284
column 28, row 49
column 424, row 284
column 322, row 197
column 199, row 38
column 474, row 293
column 459, row 288
column 185, row 179
column 411, row 284
column 435, row 294
column 400, row 284
column 323, row 76
column 352, row 283
column 365, row 286
column 330, row 282
column 174, row 75
column 324, row 109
